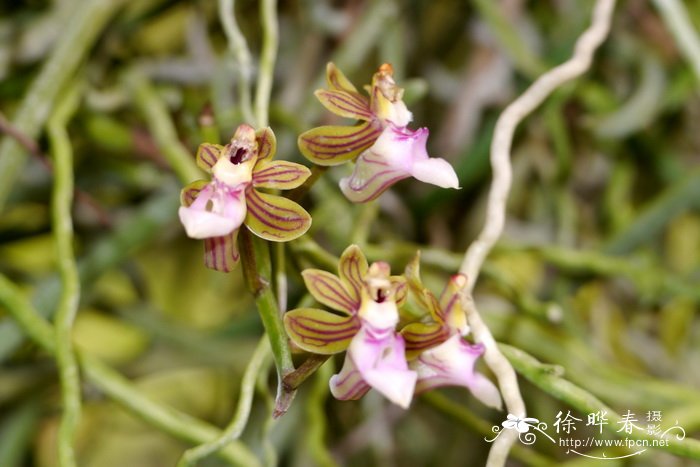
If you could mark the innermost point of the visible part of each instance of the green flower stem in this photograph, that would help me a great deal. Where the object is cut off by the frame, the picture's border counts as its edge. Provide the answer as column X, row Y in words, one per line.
column 72, row 46
column 245, row 402
column 61, row 204
column 316, row 416
column 679, row 23
column 239, row 49
column 268, row 56
column 466, row 418
column 133, row 233
column 307, row 247
column 546, row 379
column 294, row 379
column 280, row 276
column 118, row 388
column 363, row 224
column 161, row 126
column 257, row 269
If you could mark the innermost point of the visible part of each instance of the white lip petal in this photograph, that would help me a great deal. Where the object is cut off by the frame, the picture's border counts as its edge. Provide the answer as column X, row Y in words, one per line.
column 435, row 171
column 202, row 224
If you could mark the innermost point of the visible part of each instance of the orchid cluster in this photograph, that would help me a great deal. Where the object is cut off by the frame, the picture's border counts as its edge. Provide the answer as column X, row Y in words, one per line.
column 398, row 357
column 366, row 303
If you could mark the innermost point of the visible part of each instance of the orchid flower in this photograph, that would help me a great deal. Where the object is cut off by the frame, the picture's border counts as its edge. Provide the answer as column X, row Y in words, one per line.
column 385, row 150
column 215, row 210
column 437, row 350
column 366, row 299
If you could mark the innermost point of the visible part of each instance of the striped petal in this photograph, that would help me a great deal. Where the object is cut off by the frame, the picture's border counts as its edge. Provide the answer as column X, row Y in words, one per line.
column 422, row 336
column 345, row 104
column 451, row 309
column 267, row 143
column 372, row 176
column 190, row 192
column 423, row 296
column 275, row 218
column 336, row 79
column 334, row 145
column 208, row 155
column 352, row 268
column 282, row 175
column 221, row 253
column 320, row 331
column 329, row 290
column 398, row 283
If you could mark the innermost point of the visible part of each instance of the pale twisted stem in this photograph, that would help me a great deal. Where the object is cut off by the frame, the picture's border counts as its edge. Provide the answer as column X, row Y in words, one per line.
column 61, row 203
column 239, row 49
column 677, row 19
column 245, row 402
column 509, row 120
column 586, row 45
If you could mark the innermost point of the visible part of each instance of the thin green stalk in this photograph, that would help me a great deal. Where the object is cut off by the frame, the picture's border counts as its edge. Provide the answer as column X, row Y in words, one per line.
column 257, row 269
column 313, row 362
column 545, row 378
column 316, row 416
column 61, row 205
column 239, row 49
column 238, row 422
column 363, row 224
column 268, row 56
column 162, row 128
column 280, row 275
column 118, row 388
column 679, row 22
column 73, row 44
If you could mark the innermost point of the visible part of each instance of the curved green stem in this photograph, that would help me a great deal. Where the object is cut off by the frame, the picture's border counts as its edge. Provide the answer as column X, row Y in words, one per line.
column 61, row 204
column 73, row 45
column 235, row 428
column 268, row 56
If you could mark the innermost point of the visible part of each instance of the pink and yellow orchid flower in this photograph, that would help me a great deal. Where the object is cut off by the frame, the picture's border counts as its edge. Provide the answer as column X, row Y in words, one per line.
column 384, row 149
column 215, row 210
column 437, row 350
column 366, row 300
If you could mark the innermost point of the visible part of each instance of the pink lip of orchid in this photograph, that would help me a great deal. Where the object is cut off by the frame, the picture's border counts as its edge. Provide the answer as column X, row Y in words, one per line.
column 437, row 351
column 367, row 297
column 398, row 153
column 215, row 210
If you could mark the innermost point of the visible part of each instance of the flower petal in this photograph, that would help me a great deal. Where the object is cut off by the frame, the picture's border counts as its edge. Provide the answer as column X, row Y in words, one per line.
column 372, row 176
column 336, row 79
column 435, row 171
column 215, row 211
column 329, row 290
column 282, row 175
column 221, row 253
column 348, row 384
column 425, row 297
column 320, row 331
column 422, row 336
column 190, row 192
column 452, row 364
column 275, row 218
column 378, row 356
column 400, row 287
column 352, row 268
column 208, row 155
column 334, row 145
column 267, row 143
column 451, row 310
column 345, row 104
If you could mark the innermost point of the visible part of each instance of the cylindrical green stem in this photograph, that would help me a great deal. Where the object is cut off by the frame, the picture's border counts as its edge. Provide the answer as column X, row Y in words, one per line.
column 61, row 204
column 268, row 56
column 238, row 422
column 257, row 268
column 73, row 44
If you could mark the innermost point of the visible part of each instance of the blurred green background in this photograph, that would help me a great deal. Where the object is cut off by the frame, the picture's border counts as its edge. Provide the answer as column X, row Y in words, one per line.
column 597, row 273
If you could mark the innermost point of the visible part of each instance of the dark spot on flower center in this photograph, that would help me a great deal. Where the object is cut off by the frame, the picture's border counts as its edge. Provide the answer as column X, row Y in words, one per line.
column 381, row 296
column 241, row 155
